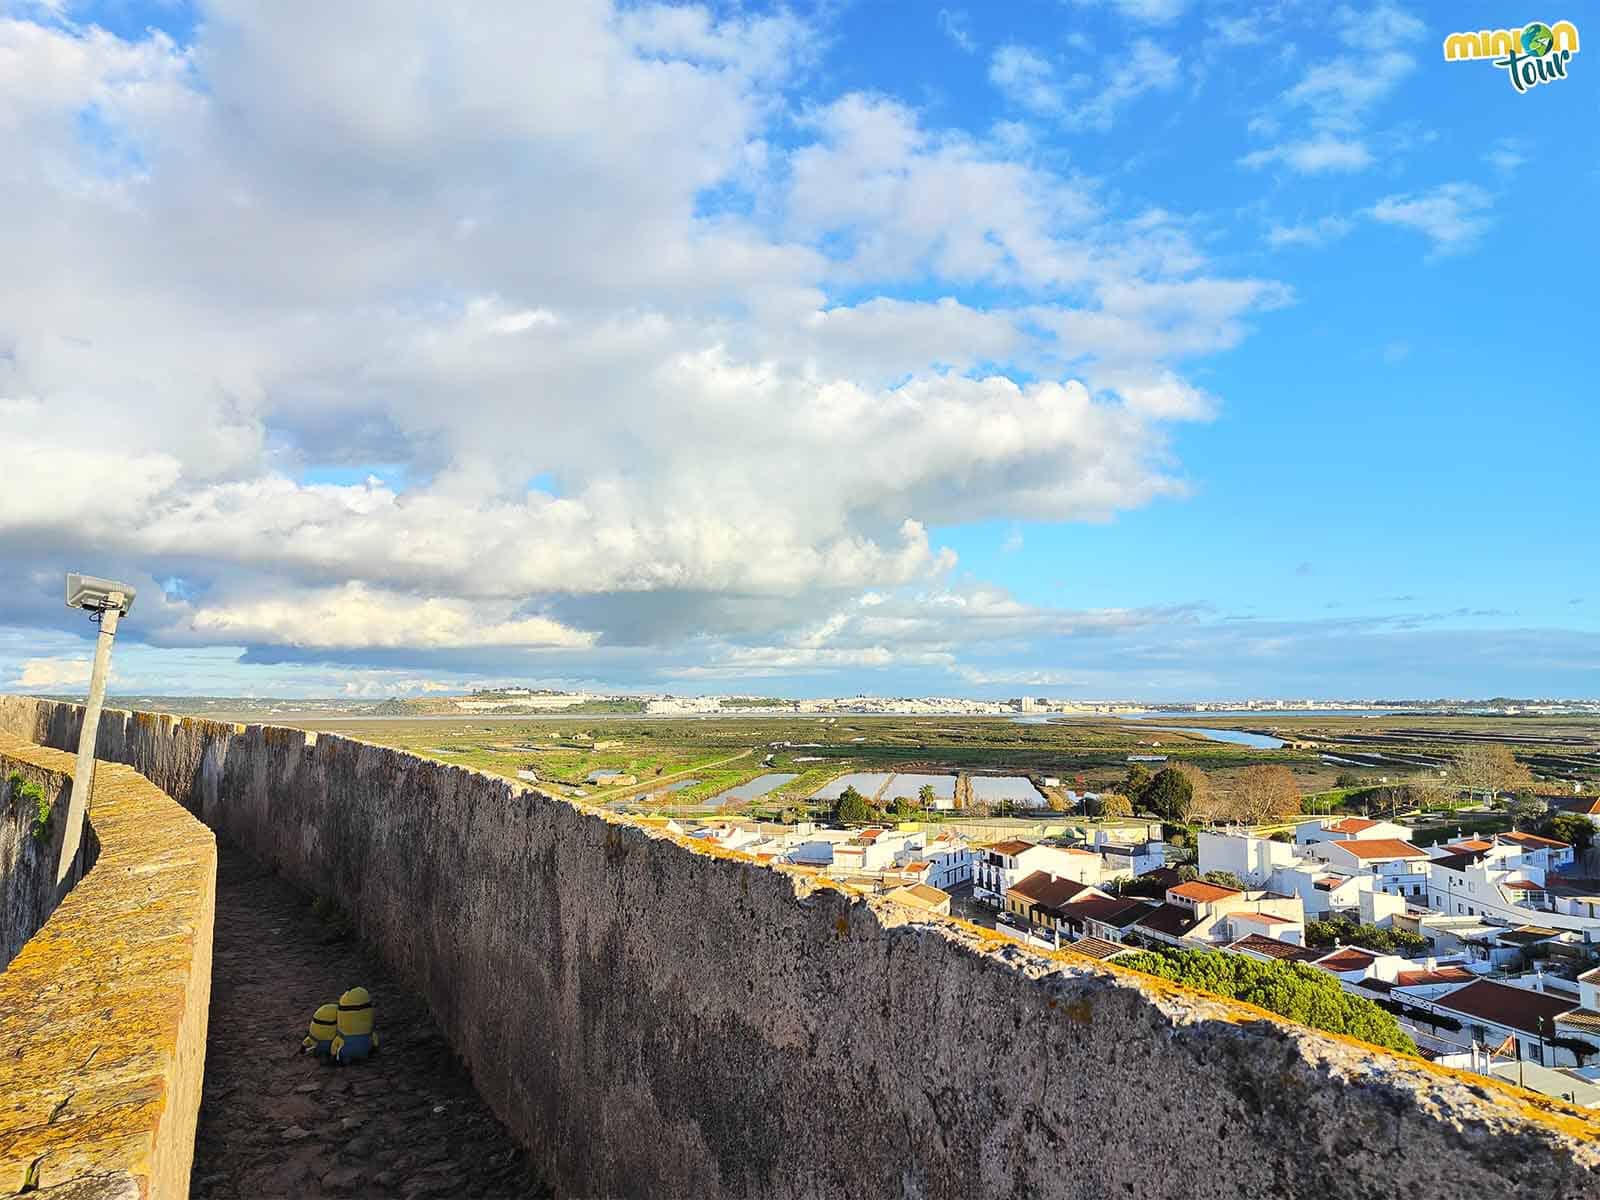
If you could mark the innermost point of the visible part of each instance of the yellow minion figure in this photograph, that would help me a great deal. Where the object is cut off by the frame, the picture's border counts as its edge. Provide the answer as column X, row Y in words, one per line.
column 356, row 1038
column 324, row 1027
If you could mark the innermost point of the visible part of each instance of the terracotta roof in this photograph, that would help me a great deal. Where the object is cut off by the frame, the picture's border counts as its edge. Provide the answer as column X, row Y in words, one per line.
column 1382, row 848
column 1093, row 947
column 1011, row 847
column 1513, row 1007
column 1328, row 882
column 1437, row 975
column 1534, row 841
column 1346, row 958
column 1258, row 943
column 1201, row 892
column 1268, row 918
column 1581, row 1018
column 1107, row 910
column 1522, row 885
column 1046, row 892
column 1469, row 846
column 1350, row 825
column 1170, row 919
column 916, row 868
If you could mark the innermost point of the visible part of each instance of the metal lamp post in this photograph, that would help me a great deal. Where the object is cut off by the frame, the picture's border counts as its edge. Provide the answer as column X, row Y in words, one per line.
column 108, row 602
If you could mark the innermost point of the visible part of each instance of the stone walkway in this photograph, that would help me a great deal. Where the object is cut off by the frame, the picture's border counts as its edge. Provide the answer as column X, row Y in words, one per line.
column 275, row 1123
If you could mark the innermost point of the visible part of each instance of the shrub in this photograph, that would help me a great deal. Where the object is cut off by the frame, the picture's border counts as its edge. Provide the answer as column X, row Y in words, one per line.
column 1370, row 937
column 1291, row 990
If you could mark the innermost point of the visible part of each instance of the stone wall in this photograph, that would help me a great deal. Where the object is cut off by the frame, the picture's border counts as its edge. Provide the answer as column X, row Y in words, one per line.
column 28, row 862
column 655, row 1019
column 103, row 1010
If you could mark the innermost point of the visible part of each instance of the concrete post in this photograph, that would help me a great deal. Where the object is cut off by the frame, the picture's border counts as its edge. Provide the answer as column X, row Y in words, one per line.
column 83, row 773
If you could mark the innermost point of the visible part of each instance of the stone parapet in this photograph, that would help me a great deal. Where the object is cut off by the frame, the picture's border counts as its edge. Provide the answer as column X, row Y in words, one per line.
column 103, row 1011
column 655, row 1017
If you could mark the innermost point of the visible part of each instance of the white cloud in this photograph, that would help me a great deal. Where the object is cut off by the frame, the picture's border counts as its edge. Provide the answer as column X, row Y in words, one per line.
column 1316, row 156
column 956, row 25
column 471, row 249
column 1336, row 97
column 47, row 674
column 1153, row 12
column 1310, row 233
column 1078, row 101
column 1453, row 216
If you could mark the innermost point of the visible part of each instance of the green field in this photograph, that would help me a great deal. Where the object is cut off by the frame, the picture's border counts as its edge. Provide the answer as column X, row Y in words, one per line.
column 1084, row 753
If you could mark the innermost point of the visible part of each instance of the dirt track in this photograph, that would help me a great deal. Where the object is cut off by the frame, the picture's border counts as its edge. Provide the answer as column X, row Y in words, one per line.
column 275, row 1123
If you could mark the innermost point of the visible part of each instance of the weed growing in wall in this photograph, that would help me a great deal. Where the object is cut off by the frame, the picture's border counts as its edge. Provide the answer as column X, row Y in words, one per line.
column 26, row 796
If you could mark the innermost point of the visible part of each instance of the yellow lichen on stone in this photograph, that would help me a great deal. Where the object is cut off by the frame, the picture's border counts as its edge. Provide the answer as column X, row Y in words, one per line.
column 103, row 1011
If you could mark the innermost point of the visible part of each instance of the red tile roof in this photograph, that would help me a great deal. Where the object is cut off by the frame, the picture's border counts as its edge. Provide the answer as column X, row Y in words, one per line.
column 1201, row 892
column 1522, row 885
column 1470, row 846
column 1170, row 919
column 1259, row 943
column 1513, row 1007
column 1382, row 848
column 1106, row 910
column 1268, row 918
column 1011, row 847
column 1093, row 947
column 1534, row 841
column 1437, row 975
column 1045, row 892
column 1351, row 825
column 1346, row 958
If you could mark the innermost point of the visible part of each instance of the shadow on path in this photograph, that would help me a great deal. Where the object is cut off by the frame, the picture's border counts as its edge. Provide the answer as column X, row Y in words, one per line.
column 276, row 1123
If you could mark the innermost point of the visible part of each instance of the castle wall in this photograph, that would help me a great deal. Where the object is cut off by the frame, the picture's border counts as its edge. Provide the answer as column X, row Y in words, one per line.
column 653, row 1018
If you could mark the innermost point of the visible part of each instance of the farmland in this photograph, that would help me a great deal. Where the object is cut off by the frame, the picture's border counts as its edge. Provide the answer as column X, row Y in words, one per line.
column 687, row 765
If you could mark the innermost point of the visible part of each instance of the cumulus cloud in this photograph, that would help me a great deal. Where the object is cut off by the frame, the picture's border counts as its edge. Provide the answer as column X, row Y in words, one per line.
column 48, row 674
column 614, row 362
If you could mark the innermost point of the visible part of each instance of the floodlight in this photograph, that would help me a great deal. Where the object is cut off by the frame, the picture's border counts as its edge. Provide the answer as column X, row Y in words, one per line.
column 96, row 595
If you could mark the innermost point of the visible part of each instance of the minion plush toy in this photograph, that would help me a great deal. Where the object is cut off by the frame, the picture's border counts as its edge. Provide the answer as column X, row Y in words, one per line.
column 356, row 1038
column 324, row 1027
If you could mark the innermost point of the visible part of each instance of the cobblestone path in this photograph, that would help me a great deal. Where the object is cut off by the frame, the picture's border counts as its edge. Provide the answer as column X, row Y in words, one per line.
column 275, row 1123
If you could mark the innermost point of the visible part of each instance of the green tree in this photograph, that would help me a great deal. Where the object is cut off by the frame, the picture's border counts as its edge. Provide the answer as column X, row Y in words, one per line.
column 789, row 815
column 1137, row 780
column 1345, row 932
column 1169, row 795
column 852, row 808
column 1224, row 879
column 903, row 809
column 1292, row 990
column 1107, row 804
column 925, row 795
column 1527, row 810
column 1569, row 827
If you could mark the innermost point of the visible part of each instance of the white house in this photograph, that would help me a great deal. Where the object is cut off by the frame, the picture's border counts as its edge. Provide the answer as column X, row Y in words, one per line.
column 1331, row 829
column 997, row 868
column 1396, row 866
column 949, row 859
column 1489, row 1014
column 1252, row 859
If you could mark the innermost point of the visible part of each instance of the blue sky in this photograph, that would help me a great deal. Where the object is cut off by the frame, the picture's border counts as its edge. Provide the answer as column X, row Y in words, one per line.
column 1130, row 348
